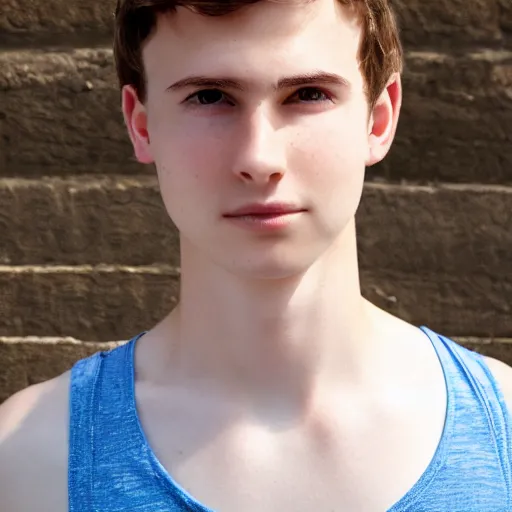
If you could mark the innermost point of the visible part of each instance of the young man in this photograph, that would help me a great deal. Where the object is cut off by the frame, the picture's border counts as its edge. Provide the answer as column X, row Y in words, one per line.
column 273, row 386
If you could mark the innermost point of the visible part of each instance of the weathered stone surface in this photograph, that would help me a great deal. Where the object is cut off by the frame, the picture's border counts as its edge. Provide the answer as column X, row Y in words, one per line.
column 450, row 23
column 439, row 256
column 60, row 114
column 85, row 303
column 85, row 221
column 47, row 21
column 28, row 362
column 443, row 22
column 505, row 7
column 455, row 121
column 451, row 305
column 455, row 231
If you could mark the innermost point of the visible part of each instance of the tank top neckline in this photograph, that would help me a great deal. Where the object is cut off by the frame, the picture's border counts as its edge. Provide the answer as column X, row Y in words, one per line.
column 171, row 486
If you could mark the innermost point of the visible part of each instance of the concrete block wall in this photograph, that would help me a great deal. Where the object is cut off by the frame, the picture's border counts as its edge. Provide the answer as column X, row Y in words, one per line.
column 88, row 256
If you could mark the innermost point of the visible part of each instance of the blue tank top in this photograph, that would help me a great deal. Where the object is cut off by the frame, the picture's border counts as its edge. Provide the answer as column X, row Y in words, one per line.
column 113, row 469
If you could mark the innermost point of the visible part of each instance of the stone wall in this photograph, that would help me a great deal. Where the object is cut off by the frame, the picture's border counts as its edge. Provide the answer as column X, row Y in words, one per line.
column 87, row 254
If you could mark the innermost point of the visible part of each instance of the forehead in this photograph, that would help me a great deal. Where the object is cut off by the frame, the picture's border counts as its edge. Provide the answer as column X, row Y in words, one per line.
column 263, row 39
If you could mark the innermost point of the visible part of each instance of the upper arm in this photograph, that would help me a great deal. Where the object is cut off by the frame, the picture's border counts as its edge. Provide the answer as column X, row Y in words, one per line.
column 503, row 374
column 33, row 449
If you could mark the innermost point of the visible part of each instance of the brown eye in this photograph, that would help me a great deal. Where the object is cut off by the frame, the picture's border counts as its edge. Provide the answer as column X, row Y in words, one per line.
column 311, row 94
column 209, row 97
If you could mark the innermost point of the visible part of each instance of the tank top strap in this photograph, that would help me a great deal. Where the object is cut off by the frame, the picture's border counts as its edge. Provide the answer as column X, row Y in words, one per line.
column 83, row 377
column 97, row 382
column 473, row 384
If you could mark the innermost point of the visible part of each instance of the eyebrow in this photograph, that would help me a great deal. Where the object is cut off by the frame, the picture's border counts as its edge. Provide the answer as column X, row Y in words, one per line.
column 319, row 77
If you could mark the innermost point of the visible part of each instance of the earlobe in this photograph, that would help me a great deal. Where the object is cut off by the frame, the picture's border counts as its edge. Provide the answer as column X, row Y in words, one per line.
column 384, row 121
column 135, row 118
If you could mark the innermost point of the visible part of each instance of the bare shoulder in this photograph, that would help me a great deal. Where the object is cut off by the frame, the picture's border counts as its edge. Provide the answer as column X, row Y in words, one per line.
column 33, row 448
column 503, row 374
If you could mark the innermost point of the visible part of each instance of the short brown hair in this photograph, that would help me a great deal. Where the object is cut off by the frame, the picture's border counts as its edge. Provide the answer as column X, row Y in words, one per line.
column 380, row 53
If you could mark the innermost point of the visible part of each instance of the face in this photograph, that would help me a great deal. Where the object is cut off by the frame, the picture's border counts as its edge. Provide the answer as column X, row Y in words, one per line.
column 260, row 130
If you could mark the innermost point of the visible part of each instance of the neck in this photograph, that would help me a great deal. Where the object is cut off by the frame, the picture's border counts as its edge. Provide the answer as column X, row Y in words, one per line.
column 272, row 341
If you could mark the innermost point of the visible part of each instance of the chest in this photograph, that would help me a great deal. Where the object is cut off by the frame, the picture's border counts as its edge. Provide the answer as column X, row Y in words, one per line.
column 364, row 457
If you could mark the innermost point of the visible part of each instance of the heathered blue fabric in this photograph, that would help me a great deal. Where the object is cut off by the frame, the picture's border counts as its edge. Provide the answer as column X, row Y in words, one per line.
column 112, row 467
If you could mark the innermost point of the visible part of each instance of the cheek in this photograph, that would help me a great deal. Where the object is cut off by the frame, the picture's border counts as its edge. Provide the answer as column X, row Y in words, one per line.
column 331, row 152
column 330, row 166
column 187, row 156
column 186, row 141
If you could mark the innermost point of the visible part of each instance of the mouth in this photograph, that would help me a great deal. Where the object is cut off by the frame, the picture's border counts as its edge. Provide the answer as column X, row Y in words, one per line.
column 262, row 217
column 266, row 218
column 265, row 211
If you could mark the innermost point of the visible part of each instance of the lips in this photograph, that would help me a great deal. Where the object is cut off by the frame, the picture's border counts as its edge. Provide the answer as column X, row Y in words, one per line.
column 265, row 210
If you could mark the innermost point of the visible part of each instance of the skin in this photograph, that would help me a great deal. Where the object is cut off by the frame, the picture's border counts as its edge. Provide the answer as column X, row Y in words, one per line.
column 273, row 360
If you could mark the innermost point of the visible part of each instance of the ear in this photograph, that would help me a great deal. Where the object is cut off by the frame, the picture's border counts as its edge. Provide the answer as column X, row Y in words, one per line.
column 136, row 119
column 384, row 120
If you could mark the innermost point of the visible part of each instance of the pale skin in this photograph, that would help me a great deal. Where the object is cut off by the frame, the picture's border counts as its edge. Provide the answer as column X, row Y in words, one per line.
column 274, row 385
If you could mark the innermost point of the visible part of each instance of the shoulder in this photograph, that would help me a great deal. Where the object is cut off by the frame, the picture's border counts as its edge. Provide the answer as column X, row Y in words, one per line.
column 503, row 374
column 33, row 448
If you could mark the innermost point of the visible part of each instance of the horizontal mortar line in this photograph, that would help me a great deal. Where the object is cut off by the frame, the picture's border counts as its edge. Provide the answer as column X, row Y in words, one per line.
column 434, row 187
column 69, row 340
column 84, row 182
column 88, row 269
column 477, row 340
column 57, row 340
column 497, row 54
column 121, row 182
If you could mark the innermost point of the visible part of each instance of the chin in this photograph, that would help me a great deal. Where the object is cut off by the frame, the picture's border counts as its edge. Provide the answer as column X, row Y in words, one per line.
column 268, row 273
column 268, row 267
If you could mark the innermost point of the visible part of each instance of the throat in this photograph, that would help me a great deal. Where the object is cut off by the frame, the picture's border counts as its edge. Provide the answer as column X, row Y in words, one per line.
column 278, row 362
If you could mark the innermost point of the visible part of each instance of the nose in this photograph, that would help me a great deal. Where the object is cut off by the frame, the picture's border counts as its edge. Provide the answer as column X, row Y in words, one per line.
column 259, row 152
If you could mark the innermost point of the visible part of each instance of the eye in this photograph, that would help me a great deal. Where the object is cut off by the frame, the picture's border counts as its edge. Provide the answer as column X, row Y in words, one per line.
column 310, row 95
column 208, row 97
